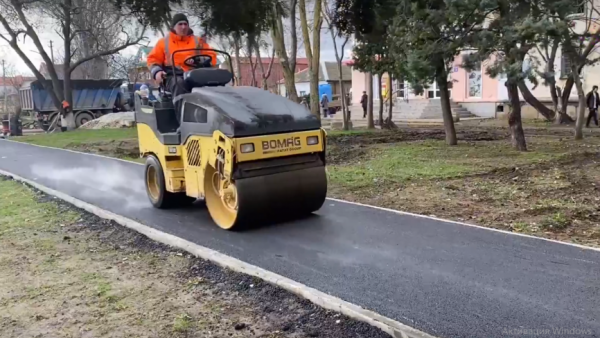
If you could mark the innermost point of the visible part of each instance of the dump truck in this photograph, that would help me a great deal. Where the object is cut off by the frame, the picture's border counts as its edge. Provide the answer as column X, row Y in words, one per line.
column 91, row 99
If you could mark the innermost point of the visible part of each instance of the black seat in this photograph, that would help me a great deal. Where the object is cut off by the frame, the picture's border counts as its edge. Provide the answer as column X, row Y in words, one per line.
column 208, row 77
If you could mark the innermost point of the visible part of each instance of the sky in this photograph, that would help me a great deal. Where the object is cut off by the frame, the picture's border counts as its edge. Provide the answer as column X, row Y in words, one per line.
column 47, row 35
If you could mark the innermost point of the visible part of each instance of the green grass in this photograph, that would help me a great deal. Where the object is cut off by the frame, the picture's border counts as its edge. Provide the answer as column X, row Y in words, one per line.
column 81, row 136
column 18, row 209
column 433, row 159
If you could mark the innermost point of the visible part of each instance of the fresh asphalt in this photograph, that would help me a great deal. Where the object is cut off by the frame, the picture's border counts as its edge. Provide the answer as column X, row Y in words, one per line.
column 443, row 278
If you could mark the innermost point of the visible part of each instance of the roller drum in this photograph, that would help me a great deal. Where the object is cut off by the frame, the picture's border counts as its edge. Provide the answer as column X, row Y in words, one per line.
column 272, row 197
column 283, row 194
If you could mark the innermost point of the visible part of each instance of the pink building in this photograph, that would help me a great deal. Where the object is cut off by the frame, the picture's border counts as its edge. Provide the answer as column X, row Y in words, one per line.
column 472, row 93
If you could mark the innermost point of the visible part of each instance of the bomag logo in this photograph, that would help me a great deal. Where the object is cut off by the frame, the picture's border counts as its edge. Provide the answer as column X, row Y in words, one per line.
column 281, row 145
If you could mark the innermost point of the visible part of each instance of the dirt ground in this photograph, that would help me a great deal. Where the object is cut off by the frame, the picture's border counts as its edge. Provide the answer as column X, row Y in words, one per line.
column 551, row 191
column 66, row 273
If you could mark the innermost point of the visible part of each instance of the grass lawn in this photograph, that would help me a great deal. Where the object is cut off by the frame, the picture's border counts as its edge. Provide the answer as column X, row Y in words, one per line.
column 79, row 137
column 64, row 273
column 551, row 191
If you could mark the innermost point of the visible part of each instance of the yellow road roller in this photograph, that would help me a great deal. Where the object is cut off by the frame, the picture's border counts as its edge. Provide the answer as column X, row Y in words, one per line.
column 250, row 155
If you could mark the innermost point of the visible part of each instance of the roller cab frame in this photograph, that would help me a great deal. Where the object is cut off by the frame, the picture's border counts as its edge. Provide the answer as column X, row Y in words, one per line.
column 249, row 154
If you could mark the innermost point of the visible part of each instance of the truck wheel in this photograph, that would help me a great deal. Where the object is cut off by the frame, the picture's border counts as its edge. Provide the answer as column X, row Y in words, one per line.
column 157, row 190
column 82, row 118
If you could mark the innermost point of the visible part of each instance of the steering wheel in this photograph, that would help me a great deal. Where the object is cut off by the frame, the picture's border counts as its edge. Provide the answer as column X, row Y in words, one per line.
column 199, row 61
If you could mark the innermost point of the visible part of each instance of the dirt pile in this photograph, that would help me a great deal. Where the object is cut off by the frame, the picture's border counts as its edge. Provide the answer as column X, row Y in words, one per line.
column 112, row 121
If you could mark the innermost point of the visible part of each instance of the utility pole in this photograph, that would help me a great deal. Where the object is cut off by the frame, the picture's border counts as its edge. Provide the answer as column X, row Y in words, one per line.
column 52, row 52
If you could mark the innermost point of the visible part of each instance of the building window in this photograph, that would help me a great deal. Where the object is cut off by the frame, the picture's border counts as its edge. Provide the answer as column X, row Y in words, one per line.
column 475, row 82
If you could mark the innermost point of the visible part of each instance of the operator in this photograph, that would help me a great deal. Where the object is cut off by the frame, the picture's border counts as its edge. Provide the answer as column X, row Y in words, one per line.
column 180, row 37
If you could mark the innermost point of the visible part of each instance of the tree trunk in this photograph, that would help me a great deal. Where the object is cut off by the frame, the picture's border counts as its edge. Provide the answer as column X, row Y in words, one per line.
column 581, row 106
column 514, row 118
column 569, row 84
column 288, row 64
column 370, row 122
column 68, row 119
column 442, row 83
column 345, row 111
column 238, row 62
column 249, row 48
column 554, row 96
column 313, row 58
column 391, row 105
column 535, row 103
column 379, row 86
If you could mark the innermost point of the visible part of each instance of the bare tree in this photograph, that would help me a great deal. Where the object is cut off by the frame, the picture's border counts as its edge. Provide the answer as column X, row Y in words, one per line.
column 328, row 13
column 124, row 66
column 15, row 19
column 265, row 74
column 313, row 50
column 97, row 28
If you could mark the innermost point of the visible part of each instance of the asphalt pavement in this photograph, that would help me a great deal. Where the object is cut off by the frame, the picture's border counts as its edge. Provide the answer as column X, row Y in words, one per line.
column 443, row 278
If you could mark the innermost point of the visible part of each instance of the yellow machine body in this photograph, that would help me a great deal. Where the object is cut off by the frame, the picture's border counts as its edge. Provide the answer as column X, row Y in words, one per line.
column 251, row 155
column 189, row 167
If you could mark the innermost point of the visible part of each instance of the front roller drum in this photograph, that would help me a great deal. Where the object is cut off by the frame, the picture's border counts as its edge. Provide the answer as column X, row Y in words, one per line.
column 264, row 198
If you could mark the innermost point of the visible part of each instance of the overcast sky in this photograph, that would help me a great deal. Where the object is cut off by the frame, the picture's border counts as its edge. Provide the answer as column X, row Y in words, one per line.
column 47, row 35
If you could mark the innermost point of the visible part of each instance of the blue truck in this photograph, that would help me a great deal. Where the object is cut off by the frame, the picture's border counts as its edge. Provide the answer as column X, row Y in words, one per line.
column 91, row 99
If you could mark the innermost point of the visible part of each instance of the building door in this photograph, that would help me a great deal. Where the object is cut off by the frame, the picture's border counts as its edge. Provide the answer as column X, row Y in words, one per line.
column 433, row 92
column 401, row 88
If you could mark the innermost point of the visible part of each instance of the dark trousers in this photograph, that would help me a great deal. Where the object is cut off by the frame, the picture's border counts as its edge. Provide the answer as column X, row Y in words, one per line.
column 177, row 86
column 364, row 111
column 593, row 114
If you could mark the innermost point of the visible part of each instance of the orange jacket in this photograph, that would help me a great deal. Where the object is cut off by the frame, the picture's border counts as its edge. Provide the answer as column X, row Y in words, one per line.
column 160, row 57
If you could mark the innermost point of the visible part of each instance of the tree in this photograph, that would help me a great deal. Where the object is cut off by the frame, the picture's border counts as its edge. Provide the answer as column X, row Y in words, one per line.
column 313, row 50
column 369, row 21
column 578, row 38
column 339, row 56
column 370, row 118
column 265, row 74
column 96, row 24
column 124, row 66
column 14, row 19
column 514, row 28
column 426, row 37
column 545, row 50
column 288, row 62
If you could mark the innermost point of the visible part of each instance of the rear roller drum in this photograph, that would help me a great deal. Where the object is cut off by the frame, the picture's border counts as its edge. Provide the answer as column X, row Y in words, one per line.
column 264, row 198
column 156, row 187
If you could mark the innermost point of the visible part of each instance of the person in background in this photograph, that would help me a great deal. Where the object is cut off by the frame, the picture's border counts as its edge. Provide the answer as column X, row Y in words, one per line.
column 363, row 102
column 325, row 104
column 593, row 99
column 304, row 102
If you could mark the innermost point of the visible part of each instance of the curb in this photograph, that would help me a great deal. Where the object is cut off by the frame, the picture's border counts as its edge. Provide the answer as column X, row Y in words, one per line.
column 394, row 328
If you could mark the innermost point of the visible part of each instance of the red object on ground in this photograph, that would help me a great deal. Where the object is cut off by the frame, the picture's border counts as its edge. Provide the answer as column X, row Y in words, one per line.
column 5, row 127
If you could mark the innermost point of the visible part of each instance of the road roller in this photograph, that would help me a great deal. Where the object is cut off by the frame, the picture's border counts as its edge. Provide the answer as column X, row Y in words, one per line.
column 250, row 155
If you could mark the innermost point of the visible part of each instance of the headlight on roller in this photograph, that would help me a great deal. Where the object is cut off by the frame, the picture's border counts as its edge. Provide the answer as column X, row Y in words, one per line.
column 247, row 148
column 312, row 140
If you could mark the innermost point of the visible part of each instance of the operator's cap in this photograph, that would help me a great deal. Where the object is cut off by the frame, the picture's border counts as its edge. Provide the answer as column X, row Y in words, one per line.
column 177, row 18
